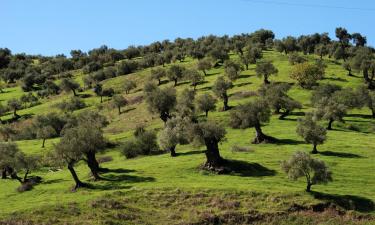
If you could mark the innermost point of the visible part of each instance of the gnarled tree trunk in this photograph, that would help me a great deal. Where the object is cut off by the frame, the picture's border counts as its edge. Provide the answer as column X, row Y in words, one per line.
column 225, row 102
column 172, row 150
column 308, row 187
column 315, row 150
column 329, row 127
column 4, row 173
column 93, row 164
column 260, row 137
column 265, row 80
column 213, row 157
column 78, row 182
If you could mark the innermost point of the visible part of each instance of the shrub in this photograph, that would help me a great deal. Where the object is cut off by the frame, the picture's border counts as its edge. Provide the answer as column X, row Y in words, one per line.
column 144, row 143
column 71, row 105
column 295, row 58
column 236, row 148
column 130, row 149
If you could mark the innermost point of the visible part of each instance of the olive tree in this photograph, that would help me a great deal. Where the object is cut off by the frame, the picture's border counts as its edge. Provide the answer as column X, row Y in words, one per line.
column 206, row 103
column 175, row 73
column 129, row 85
column 311, row 131
column 307, row 74
column 303, row 165
column 68, row 84
column 278, row 99
column 252, row 114
column 232, row 70
column 119, row 101
column 12, row 161
column 6, row 131
column 161, row 101
column 331, row 110
column 158, row 74
column 185, row 104
column 220, row 88
column 194, row 76
column 332, row 102
column 14, row 105
column 251, row 55
column 78, row 143
column 210, row 134
column 174, row 133
column 204, row 65
column 44, row 133
column 265, row 69
column 366, row 98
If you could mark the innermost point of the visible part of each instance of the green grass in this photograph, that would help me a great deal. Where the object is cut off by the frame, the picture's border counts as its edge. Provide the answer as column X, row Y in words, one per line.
column 145, row 180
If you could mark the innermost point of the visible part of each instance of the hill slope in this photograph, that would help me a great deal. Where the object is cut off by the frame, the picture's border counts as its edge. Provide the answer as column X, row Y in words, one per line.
column 164, row 190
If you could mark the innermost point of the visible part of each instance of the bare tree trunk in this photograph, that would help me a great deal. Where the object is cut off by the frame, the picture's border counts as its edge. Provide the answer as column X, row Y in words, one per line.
column 329, row 127
column 79, row 183
column 172, row 150
column 365, row 75
column 266, row 81
column 93, row 164
column 25, row 176
column 213, row 157
column 260, row 137
column 225, row 101
column 4, row 173
column 44, row 141
column 315, row 150
column 308, row 187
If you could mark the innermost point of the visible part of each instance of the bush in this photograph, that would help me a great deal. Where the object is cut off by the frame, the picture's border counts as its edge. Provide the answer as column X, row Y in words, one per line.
column 130, row 149
column 236, row 148
column 126, row 67
column 295, row 58
column 144, row 143
column 71, row 105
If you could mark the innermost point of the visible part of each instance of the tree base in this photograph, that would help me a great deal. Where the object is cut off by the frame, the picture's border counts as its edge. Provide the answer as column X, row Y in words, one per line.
column 78, row 186
column 263, row 139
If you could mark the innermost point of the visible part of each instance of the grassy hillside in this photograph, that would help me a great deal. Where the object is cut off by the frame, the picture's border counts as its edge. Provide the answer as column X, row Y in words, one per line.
column 164, row 190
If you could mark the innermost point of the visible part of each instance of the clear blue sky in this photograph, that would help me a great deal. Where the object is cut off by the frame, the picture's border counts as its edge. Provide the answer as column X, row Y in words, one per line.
column 50, row 27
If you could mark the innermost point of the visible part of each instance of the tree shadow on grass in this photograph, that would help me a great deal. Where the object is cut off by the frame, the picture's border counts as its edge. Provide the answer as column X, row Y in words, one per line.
column 246, row 169
column 84, row 95
column 128, row 110
column 336, row 79
column 182, row 83
column 120, row 170
column 164, row 82
column 54, row 181
column 340, row 154
column 190, row 153
column 205, row 88
column 107, row 186
column 243, row 84
column 245, row 76
column 359, row 116
column 348, row 202
column 211, row 74
column 288, row 142
column 126, row 178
